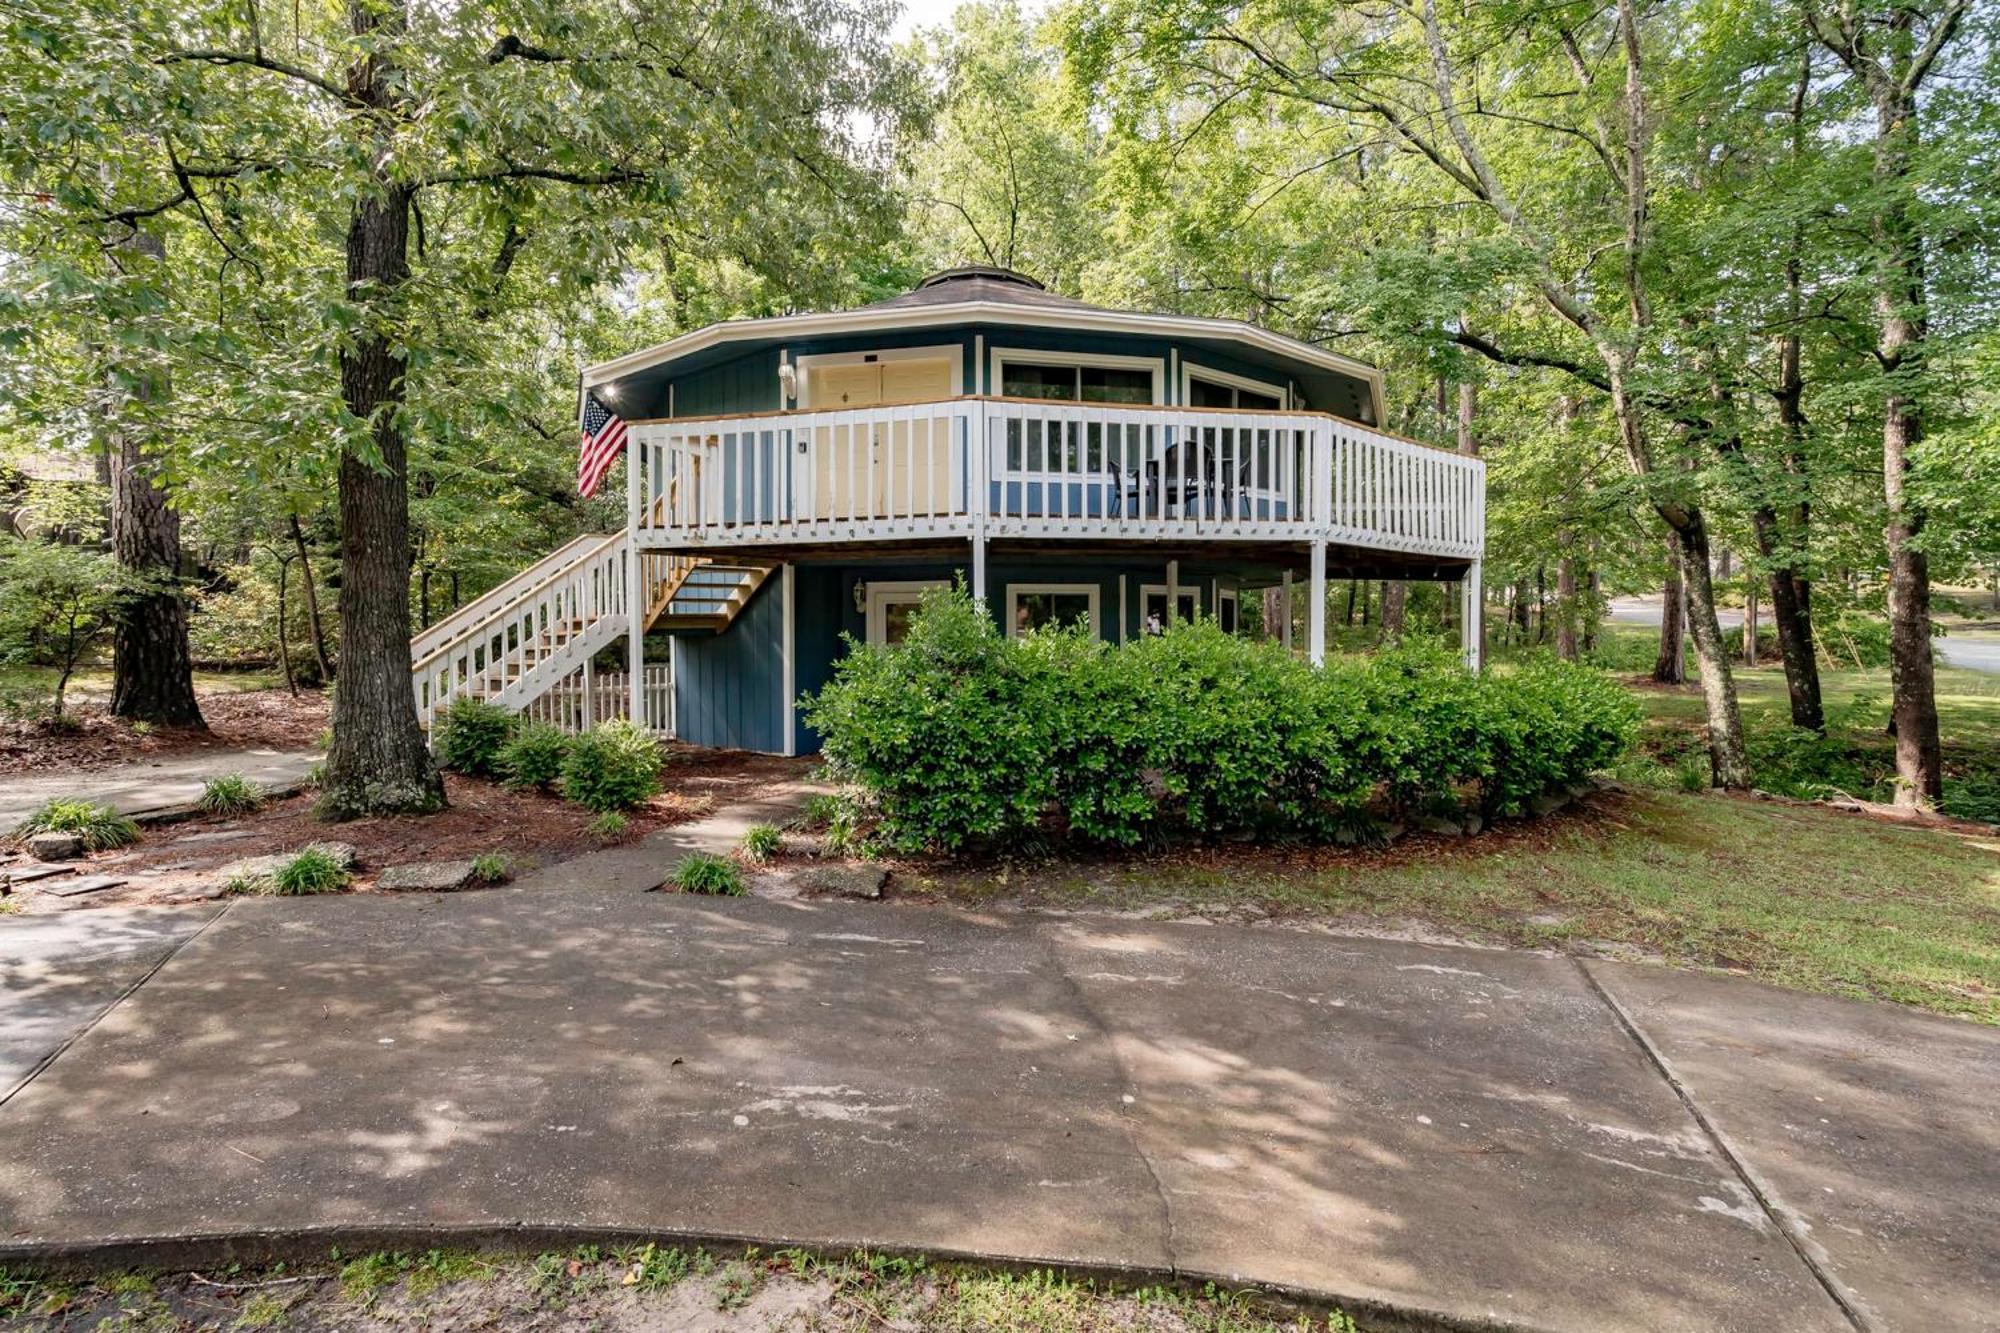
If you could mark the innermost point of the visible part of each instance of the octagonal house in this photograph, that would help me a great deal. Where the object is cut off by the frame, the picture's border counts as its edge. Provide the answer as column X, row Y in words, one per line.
column 796, row 479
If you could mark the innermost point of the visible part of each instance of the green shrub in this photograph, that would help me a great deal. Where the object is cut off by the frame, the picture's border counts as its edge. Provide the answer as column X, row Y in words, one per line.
column 532, row 758
column 1974, row 796
column 468, row 735
column 612, row 767
column 760, row 841
column 229, row 794
column 701, row 873
column 99, row 826
column 949, row 730
column 609, row 826
column 309, row 870
column 490, row 868
column 963, row 737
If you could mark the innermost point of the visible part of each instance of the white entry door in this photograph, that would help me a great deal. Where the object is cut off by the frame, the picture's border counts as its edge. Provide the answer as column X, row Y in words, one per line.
column 872, row 470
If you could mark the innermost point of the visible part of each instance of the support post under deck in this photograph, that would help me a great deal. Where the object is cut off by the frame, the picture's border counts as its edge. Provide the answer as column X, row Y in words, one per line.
column 1316, row 608
column 1471, row 612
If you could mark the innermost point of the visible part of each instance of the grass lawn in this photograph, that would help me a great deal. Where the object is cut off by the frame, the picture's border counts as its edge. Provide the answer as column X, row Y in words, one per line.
column 1796, row 895
column 95, row 682
column 642, row 1286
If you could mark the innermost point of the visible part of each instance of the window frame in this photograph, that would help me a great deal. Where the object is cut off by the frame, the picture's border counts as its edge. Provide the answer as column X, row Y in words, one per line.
column 999, row 357
column 1092, row 591
column 1146, row 590
column 884, row 593
column 1194, row 370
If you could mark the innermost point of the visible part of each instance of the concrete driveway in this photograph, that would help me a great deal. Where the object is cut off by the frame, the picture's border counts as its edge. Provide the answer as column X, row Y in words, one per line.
column 1472, row 1134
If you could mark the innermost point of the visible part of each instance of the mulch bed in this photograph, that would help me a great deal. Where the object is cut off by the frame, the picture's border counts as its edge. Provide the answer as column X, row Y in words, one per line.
column 237, row 719
column 174, row 862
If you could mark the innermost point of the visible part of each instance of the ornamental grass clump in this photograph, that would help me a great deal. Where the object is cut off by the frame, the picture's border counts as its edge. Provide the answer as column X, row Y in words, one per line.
column 961, row 737
column 229, row 794
column 98, row 826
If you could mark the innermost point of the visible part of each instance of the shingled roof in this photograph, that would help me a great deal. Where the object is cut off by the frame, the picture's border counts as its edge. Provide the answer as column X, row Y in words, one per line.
column 981, row 282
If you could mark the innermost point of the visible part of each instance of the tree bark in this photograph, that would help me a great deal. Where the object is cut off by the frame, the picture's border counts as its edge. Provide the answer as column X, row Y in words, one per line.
column 1395, row 602
column 1670, row 665
column 1566, row 608
column 1900, row 307
column 379, row 762
column 1750, row 624
column 284, row 636
column 152, row 670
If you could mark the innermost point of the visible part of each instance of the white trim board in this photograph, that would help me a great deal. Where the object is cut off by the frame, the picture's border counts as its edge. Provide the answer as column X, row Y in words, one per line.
column 1090, row 590
column 980, row 312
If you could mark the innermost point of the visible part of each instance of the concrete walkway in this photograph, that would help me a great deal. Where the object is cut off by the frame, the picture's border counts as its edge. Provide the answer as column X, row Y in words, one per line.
column 134, row 789
column 1496, row 1138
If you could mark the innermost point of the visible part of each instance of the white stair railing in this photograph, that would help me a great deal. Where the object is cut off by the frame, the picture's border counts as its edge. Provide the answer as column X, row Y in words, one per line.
column 536, row 631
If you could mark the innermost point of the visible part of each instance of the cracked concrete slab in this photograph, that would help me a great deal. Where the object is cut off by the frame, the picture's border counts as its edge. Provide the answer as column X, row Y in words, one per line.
column 59, row 972
column 1874, row 1128
column 1470, row 1133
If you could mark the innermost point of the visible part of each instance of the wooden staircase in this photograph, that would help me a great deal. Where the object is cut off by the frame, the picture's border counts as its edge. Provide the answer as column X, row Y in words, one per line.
column 533, row 633
column 705, row 594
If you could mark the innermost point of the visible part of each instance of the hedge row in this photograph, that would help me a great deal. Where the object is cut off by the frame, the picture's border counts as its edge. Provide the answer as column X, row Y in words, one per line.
column 963, row 736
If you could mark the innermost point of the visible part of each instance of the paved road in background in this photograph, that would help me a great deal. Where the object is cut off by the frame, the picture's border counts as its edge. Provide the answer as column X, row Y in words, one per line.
column 1976, row 650
column 1508, row 1139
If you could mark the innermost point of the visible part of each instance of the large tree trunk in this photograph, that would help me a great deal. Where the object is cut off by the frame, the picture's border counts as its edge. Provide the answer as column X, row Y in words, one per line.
column 1718, row 687
column 1750, row 624
column 379, row 762
column 1900, row 306
column 1670, row 664
column 152, row 671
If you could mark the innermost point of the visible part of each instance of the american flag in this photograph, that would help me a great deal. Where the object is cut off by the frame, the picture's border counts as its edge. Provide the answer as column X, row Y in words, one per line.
column 603, row 437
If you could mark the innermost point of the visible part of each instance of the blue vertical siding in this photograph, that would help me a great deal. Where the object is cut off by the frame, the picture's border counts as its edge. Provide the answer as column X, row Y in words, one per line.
column 729, row 688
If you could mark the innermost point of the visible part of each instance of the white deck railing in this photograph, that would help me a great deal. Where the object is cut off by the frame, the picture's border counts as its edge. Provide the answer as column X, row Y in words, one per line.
column 1015, row 468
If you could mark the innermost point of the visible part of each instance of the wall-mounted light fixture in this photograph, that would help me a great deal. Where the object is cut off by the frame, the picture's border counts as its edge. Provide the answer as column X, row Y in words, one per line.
column 788, row 382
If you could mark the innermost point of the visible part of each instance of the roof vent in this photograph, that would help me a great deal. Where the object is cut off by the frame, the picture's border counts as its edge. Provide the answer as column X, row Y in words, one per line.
column 975, row 272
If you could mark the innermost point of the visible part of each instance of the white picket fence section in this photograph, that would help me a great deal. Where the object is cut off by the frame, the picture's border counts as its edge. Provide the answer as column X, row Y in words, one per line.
column 998, row 467
column 585, row 698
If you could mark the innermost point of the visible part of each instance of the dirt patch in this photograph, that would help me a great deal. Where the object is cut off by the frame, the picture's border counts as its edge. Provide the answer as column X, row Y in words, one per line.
column 237, row 719
column 180, row 862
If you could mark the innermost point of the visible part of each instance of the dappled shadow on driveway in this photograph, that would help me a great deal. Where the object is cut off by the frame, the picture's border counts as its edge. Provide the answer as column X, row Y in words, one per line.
column 57, row 973
column 1370, row 1119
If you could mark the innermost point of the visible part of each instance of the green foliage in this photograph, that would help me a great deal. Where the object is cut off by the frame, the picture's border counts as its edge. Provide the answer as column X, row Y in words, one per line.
column 469, row 734
column 701, row 873
column 1973, row 796
column 532, row 758
column 760, row 841
column 229, row 794
column 612, row 767
column 309, row 870
column 966, row 738
column 100, row 827
column 490, row 868
column 57, row 605
column 610, row 826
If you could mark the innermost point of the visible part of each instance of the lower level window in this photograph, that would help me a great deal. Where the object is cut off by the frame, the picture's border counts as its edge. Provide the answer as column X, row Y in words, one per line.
column 1033, row 605
column 891, row 605
column 1154, row 620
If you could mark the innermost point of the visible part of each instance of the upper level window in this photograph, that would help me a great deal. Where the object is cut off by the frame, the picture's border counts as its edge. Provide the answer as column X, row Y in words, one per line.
column 1075, row 384
column 1207, row 388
